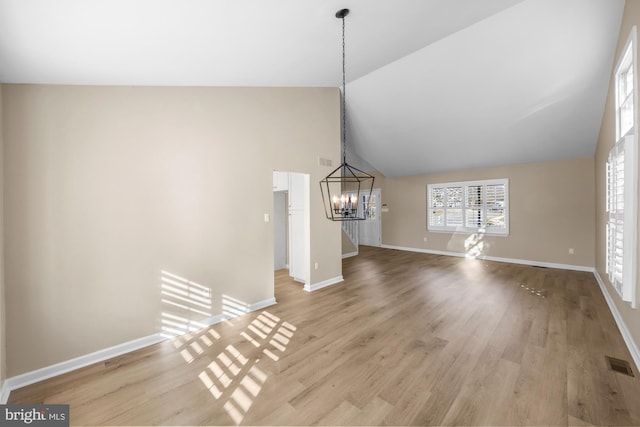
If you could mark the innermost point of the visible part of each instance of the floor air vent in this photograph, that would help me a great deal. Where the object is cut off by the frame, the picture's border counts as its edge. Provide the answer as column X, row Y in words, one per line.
column 619, row 365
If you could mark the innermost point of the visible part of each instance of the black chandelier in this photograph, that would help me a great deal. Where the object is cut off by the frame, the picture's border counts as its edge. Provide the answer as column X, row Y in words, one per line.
column 344, row 190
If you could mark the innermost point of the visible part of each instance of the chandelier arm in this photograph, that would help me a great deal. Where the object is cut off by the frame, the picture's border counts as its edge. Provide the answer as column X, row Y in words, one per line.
column 353, row 168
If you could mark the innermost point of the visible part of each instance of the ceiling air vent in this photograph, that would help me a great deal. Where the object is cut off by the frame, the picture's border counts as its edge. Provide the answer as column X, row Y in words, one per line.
column 325, row 162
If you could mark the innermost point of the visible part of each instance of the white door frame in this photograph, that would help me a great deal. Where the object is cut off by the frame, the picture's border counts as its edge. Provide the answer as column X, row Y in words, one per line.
column 302, row 207
column 362, row 224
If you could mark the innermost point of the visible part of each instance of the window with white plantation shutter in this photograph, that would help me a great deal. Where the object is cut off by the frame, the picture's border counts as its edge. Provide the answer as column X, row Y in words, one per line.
column 615, row 225
column 470, row 206
column 620, row 230
column 621, row 176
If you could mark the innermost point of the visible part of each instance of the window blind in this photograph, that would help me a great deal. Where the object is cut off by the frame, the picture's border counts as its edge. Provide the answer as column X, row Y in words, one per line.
column 470, row 206
column 620, row 204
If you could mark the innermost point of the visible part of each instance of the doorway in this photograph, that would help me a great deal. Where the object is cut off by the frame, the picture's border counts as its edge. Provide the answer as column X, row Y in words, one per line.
column 280, row 233
column 292, row 224
column 370, row 229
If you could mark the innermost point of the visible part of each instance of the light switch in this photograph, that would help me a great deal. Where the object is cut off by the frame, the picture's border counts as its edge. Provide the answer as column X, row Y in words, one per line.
column 266, row 217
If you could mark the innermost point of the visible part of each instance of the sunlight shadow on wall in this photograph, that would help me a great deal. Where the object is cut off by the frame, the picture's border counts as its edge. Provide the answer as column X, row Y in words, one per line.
column 185, row 305
column 232, row 307
column 475, row 245
column 472, row 245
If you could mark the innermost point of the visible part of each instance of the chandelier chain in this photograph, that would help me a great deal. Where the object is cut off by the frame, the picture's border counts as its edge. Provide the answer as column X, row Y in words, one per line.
column 344, row 96
column 345, row 190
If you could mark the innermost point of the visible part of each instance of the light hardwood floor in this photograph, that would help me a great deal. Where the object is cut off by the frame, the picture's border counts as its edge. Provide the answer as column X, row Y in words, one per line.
column 407, row 339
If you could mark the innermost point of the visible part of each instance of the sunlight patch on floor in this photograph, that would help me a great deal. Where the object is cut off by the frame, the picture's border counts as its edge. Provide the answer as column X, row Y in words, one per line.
column 231, row 376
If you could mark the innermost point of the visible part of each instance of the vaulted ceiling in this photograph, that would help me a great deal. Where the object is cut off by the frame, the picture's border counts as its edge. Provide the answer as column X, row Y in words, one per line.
column 433, row 85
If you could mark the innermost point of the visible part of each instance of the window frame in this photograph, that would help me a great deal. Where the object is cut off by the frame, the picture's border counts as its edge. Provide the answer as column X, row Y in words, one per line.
column 621, row 269
column 627, row 59
column 464, row 206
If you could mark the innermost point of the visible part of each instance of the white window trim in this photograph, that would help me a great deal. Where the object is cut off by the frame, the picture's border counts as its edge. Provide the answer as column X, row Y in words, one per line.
column 631, row 41
column 462, row 228
column 627, row 288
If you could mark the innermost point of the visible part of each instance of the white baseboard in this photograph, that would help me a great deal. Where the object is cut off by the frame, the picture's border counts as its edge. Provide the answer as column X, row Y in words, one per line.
column 323, row 284
column 42, row 374
column 262, row 304
column 349, row 255
column 232, row 308
column 4, row 393
column 626, row 335
column 493, row 258
column 624, row 331
column 80, row 362
column 209, row 320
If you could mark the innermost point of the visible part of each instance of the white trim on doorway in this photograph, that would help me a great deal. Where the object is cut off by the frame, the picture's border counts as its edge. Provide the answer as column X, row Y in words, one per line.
column 323, row 284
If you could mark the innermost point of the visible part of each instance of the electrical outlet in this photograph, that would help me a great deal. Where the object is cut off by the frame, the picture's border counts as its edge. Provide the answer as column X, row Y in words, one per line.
column 571, row 251
column 425, row 238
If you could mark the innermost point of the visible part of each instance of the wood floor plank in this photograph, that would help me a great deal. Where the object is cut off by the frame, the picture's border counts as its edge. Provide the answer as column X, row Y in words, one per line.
column 406, row 339
column 337, row 416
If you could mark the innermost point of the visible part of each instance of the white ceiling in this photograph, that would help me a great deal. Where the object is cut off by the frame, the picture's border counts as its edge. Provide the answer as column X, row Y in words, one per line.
column 524, row 85
column 434, row 84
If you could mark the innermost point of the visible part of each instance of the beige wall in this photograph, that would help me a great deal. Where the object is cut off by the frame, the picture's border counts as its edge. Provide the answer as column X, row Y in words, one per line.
column 106, row 187
column 347, row 246
column 3, row 324
column 551, row 211
column 606, row 140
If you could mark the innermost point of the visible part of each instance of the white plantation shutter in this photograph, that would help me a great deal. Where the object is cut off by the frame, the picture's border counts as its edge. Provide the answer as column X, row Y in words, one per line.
column 454, row 206
column 436, row 207
column 496, row 197
column 473, row 207
column 609, row 229
column 470, row 206
column 621, row 177
column 608, row 186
